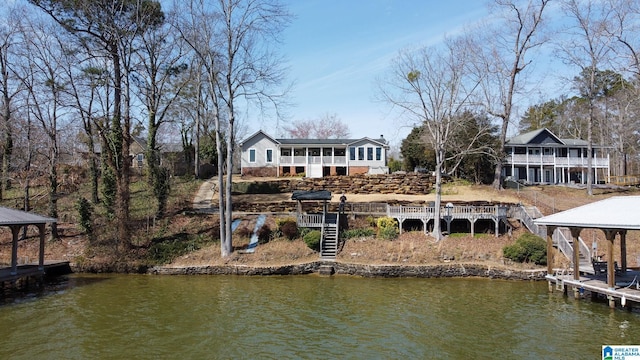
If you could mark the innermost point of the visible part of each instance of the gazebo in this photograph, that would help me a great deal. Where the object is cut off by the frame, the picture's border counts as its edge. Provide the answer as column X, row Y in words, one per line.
column 614, row 216
column 16, row 220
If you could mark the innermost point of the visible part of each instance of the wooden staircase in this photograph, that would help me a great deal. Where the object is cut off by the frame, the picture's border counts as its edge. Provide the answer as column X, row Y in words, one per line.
column 562, row 238
column 329, row 239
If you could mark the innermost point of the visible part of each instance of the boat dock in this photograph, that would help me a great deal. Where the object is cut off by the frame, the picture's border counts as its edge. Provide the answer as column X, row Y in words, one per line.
column 626, row 291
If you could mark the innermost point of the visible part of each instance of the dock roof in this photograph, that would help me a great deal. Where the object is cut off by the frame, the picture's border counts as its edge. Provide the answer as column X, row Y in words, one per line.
column 10, row 217
column 618, row 212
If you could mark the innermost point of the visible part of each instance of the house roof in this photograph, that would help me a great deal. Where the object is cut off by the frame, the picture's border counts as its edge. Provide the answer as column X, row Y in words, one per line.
column 10, row 217
column 618, row 212
column 316, row 142
column 259, row 132
column 529, row 138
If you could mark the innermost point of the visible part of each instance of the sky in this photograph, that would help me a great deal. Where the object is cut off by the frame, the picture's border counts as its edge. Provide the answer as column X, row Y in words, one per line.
column 336, row 50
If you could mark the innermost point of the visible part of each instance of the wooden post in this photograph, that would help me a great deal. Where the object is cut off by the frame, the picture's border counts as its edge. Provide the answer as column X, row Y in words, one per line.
column 623, row 251
column 575, row 234
column 41, row 228
column 15, row 230
column 611, row 276
column 550, row 230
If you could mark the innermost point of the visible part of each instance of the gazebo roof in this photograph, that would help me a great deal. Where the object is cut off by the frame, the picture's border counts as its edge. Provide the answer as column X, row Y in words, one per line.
column 311, row 195
column 618, row 212
column 10, row 217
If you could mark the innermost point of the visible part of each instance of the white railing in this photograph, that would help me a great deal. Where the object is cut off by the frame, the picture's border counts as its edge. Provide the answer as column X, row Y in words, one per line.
column 532, row 160
column 304, row 160
column 310, row 220
column 457, row 212
column 561, row 237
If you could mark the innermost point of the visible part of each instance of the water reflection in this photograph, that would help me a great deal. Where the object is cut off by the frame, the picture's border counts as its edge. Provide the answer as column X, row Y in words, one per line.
column 150, row 317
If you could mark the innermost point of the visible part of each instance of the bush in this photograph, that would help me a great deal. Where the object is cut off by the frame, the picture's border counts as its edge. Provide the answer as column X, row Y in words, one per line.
column 85, row 210
column 243, row 232
column 358, row 233
column 288, row 227
column 528, row 248
column 312, row 239
column 264, row 234
column 387, row 228
column 388, row 233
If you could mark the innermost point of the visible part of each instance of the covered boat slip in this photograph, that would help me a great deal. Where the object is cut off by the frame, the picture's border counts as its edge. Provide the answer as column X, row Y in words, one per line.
column 16, row 220
column 615, row 217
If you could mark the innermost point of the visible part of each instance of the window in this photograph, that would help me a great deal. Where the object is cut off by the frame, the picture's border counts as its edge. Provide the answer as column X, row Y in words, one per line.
column 360, row 153
column 370, row 153
column 269, row 155
column 252, row 155
column 352, row 153
column 378, row 153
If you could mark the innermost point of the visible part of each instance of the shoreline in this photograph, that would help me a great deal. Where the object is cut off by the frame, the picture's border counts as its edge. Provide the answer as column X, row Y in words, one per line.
column 327, row 268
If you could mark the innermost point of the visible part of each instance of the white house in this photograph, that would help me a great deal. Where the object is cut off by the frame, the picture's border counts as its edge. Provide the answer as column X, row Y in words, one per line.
column 540, row 156
column 263, row 155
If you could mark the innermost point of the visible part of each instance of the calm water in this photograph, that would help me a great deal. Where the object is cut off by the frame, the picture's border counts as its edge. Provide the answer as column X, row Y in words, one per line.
column 210, row 317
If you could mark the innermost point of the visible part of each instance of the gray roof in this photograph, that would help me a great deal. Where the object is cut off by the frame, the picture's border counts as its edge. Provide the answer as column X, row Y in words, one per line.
column 316, row 141
column 527, row 138
column 19, row 217
column 618, row 212
column 320, row 142
column 311, row 195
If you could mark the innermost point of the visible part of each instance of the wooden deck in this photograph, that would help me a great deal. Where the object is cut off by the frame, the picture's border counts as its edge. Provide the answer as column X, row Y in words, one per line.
column 29, row 270
column 627, row 286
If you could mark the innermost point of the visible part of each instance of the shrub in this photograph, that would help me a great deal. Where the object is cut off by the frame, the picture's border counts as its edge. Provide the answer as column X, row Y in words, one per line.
column 388, row 233
column 85, row 210
column 243, row 232
column 304, row 231
column 358, row 233
column 528, row 248
column 371, row 221
column 312, row 239
column 264, row 234
column 387, row 228
column 288, row 228
column 161, row 188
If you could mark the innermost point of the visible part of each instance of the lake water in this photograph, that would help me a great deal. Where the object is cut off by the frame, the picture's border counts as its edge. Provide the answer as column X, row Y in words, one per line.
column 306, row 317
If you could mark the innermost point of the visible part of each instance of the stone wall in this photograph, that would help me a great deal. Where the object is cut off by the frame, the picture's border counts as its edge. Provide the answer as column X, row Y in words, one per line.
column 450, row 270
column 398, row 183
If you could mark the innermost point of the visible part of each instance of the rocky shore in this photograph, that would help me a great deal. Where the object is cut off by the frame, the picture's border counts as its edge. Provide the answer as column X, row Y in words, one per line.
column 452, row 270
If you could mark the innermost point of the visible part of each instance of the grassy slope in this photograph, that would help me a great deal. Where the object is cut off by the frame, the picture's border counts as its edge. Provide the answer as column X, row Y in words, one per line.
column 185, row 239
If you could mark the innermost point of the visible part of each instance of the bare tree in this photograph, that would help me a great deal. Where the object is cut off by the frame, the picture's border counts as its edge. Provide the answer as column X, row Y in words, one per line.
column 432, row 87
column 233, row 40
column 328, row 126
column 501, row 56
column 587, row 47
column 107, row 28
column 41, row 76
column 10, row 87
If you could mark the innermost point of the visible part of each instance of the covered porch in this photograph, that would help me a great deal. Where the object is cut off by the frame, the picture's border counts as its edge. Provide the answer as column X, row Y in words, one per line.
column 615, row 216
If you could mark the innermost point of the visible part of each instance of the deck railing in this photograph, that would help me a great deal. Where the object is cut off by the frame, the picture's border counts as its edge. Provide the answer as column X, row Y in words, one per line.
column 310, row 220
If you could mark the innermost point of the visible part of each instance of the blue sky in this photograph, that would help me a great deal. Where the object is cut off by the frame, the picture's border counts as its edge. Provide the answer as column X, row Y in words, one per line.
column 337, row 49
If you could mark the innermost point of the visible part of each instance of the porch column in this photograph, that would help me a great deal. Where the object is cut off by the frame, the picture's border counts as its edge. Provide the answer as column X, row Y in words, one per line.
column 550, row 230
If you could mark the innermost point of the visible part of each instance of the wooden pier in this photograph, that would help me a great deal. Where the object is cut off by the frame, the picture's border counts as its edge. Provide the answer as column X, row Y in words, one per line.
column 625, row 293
